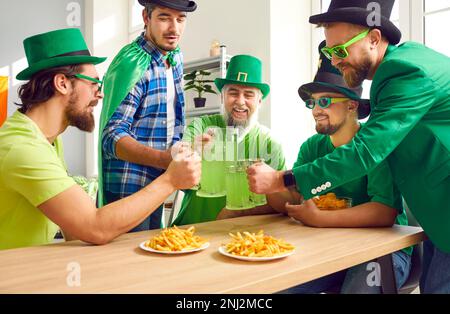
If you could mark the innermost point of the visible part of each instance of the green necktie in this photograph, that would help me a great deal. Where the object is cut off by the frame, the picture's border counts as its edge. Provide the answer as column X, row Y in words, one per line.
column 170, row 56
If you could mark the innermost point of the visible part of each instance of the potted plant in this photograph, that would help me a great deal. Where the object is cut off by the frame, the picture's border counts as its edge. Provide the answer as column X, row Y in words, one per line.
column 196, row 80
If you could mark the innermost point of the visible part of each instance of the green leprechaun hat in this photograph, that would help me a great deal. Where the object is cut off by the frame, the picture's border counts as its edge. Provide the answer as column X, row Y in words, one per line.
column 244, row 70
column 53, row 49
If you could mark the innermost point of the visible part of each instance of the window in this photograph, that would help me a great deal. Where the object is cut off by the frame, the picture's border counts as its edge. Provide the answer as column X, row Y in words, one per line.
column 436, row 14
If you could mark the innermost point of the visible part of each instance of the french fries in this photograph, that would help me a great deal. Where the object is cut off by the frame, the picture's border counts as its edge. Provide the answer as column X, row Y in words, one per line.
column 330, row 202
column 257, row 245
column 176, row 240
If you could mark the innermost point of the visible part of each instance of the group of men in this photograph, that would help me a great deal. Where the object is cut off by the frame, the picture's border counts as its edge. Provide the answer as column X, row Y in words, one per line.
column 145, row 153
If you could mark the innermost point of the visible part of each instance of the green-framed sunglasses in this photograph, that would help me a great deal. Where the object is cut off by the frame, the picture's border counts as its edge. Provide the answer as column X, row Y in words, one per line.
column 323, row 102
column 85, row 77
column 340, row 51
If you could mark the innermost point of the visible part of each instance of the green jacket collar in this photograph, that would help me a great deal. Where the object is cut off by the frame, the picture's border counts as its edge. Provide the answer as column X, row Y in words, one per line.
column 390, row 49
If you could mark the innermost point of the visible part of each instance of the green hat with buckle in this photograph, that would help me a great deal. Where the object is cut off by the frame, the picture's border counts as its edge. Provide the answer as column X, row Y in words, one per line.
column 54, row 49
column 244, row 70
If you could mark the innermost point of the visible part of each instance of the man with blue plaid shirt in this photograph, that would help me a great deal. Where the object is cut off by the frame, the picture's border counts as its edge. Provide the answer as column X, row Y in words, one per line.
column 139, row 130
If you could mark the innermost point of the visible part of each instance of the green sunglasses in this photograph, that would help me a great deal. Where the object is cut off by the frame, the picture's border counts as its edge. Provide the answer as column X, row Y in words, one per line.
column 341, row 50
column 85, row 77
column 323, row 102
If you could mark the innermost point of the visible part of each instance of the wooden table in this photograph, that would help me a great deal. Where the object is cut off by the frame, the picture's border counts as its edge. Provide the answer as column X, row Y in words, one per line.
column 121, row 267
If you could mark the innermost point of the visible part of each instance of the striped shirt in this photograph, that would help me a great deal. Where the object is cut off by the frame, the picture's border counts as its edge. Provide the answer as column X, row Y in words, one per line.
column 142, row 115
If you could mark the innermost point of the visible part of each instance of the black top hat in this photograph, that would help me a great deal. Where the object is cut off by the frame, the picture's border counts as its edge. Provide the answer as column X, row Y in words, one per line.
column 179, row 5
column 329, row 79
column 357, row 12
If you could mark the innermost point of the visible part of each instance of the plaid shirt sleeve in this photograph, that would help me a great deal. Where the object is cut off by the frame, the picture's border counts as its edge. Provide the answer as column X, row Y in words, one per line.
column 120, row 124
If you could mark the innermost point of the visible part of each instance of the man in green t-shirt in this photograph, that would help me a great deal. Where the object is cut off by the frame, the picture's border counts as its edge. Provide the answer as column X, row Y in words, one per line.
column 36, row 193
column 376, row 201
column 243, row 92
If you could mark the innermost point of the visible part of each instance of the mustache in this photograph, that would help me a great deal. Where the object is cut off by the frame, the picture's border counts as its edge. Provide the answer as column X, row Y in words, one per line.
column 340, row 66
column 171, row 34
column 93, row 103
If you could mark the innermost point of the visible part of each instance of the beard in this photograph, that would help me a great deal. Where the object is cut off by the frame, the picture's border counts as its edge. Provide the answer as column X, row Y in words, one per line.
column 329, row 129
column 82, row 120
column 244, row 125
column 161, row 46
column 356, row 74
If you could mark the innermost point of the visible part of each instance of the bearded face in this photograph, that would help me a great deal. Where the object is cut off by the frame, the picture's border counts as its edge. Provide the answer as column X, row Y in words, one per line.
column 79, row 115
column 241, row 106
column 355, row 74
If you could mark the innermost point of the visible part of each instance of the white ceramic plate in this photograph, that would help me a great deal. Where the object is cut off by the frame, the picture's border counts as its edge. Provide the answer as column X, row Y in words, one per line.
column 148, row 249
column 223, row 251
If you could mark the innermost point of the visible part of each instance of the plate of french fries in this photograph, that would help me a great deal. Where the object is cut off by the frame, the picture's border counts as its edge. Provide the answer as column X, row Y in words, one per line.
column 175, row 241
column 256, row 247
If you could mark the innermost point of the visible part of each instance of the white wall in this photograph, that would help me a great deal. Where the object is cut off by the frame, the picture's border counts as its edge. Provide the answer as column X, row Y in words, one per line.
column 290, row 63
column 20, row 19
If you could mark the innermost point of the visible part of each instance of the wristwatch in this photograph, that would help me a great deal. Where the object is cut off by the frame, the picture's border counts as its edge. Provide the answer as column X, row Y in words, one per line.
column 289, row 179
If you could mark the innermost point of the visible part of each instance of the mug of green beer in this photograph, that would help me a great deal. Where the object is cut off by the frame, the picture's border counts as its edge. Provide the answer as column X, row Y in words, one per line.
column 238, row 192
column 257, row 199
column 212, row 182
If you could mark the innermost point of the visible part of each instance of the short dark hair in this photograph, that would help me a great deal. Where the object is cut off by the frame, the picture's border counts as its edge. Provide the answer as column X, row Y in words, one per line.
column 149, row 8
column 40, row 88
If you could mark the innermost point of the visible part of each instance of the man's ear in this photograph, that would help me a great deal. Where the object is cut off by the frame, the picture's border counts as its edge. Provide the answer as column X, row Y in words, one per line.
column 375, row 38
column 353, row 105
column 62, row 84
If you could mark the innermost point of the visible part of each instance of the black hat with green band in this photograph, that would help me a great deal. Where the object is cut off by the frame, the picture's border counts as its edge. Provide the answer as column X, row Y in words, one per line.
column 244, row 70
column 54, row 49
column 329, row 79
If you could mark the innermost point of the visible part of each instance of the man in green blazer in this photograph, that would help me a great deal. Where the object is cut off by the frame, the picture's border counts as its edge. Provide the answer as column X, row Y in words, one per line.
column 409, row 126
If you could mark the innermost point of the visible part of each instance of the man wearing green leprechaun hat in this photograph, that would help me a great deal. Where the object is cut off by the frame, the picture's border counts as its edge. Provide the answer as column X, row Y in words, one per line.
column 375, row 200
column 143, row 111
column 242, row 92
column 36, row 193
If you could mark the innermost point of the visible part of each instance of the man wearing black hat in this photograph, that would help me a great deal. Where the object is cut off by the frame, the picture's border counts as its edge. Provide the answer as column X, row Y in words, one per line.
column 143, row 112
column 409, row 124
column 376, row 202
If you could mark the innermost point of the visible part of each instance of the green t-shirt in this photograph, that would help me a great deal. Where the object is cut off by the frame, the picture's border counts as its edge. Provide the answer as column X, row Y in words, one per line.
column 376, row 186
column 256, row 144
column 32, row 171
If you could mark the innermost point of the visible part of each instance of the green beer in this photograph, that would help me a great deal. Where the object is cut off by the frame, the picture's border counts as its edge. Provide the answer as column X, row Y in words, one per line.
column 257, row 199
column 212, row 183
column 238, row 193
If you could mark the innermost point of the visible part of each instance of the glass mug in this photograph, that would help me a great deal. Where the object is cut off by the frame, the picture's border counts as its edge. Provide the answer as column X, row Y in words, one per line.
column 236, row 184
column 212, row 182
column 239, row 196
column 257, row 199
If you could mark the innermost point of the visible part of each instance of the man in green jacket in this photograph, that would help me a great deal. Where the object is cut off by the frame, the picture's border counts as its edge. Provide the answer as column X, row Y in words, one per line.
column 409, row 126
column 243, row 92
column 376, row 201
